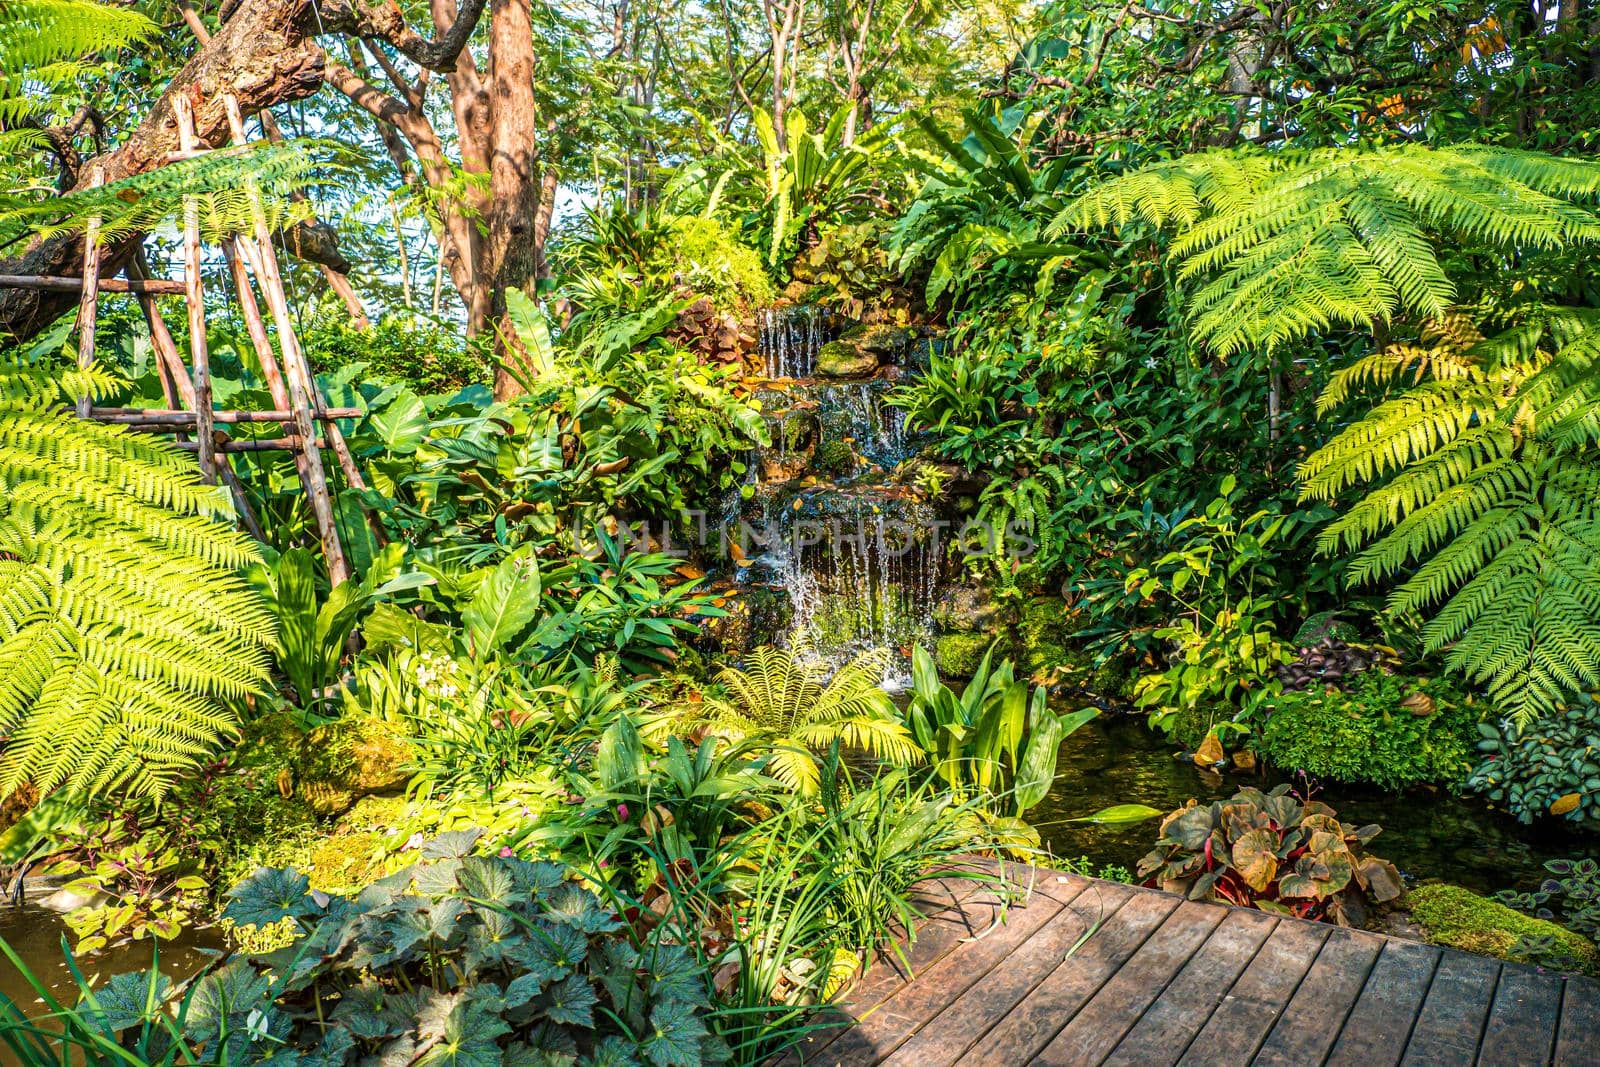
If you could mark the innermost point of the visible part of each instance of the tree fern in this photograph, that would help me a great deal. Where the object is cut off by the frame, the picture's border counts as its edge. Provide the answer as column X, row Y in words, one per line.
column 220, row 182
column 1484, row 494
column 785, row 703
column 125, row 628
column 42, row 43
column 1284, row 243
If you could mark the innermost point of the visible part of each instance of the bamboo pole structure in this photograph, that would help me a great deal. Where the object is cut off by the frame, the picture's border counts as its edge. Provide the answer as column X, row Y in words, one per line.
column 194, row 295
column 264, row 261
column 301, row 389
column 176, row 385
column 89, row 298
column 291, row 443
column 58, row 284
column 184, row 416
column 299, row 406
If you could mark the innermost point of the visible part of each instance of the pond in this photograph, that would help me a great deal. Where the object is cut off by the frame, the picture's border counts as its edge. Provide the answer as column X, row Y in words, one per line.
column 35, row 933
column 1427, row 833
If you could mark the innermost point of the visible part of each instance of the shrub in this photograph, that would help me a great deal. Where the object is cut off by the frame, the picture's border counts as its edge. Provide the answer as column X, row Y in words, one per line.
column 1270, row 851
column 1389, row 730
column 1549, row 767
column 713, row 262
column 433, row 358
column 1459, row 918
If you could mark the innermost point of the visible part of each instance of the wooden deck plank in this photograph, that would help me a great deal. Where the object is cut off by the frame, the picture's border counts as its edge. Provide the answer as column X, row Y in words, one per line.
column 1088, row 972
column 1246, row 1015
column 1451, row 1021
column 1311, row 1021
column 1522, row 1022
column 896, row 1019
column 1096, row 1030
column 961, row 1025
column 1053, row 1002
column 1168, row 1025
column 1578, row 1038
column 972, row 913
column 1376, row 1032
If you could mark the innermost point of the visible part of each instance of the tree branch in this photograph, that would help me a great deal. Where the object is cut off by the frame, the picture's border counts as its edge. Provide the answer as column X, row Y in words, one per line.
column 385, row 22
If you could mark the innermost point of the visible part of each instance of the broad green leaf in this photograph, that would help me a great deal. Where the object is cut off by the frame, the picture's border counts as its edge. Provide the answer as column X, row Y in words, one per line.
column 506, row 601
column 402, row 424
column 1121, row 815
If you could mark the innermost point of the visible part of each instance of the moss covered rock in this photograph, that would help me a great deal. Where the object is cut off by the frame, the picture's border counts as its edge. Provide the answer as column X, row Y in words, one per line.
column 349, row 759
column 958, row 655
column 1459, row 918
column 845, row 358
column 967, row 609
column 882, row 339
column 1044, row 632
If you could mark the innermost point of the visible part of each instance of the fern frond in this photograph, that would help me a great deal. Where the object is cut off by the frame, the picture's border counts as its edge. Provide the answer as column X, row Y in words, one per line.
column 36, row 35
column 1484, row 497
column 220, row 183
column 1290, row 242
column 125, row 629
column 783, row 702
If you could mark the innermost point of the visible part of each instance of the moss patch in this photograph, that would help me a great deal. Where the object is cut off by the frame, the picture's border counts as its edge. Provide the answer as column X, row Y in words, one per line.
column 958, row 655
column 1459, row 918
column 345, row 863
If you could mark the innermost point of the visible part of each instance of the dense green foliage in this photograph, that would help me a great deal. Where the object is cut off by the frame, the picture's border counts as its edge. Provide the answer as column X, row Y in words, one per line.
column 1370, row 733
column 1208, row 324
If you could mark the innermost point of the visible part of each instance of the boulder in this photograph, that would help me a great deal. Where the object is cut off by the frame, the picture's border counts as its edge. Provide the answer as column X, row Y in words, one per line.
column 844, row 358
column 349, row 759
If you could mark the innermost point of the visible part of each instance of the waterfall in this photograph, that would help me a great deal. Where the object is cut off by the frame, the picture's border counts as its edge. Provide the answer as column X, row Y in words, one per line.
column 790, row 338
column 858, row 577
column 878, row 429
column 856, row 554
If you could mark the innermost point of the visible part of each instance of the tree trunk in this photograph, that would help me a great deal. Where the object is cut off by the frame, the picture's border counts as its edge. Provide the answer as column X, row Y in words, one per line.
column 513, row 247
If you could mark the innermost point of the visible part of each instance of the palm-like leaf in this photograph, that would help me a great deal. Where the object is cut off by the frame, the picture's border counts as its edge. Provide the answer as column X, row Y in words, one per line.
column 784, row 702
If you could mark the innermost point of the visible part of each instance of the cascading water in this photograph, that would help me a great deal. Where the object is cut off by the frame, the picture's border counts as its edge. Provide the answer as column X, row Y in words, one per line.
column 790, row 339
column 856, row 555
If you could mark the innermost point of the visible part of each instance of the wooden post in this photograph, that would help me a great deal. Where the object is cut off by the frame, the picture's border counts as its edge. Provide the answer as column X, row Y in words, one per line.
column 176, row 384
column 89, row 298
column 194, row 295
column 301, row 390
column 265, row 263
column 177, row 388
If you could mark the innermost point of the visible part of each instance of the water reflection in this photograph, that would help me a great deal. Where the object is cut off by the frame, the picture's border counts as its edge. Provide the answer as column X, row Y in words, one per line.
column 1427, row 833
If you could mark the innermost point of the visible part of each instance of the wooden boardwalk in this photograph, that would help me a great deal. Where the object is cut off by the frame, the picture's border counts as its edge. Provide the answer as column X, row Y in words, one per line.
column 1091, row 972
